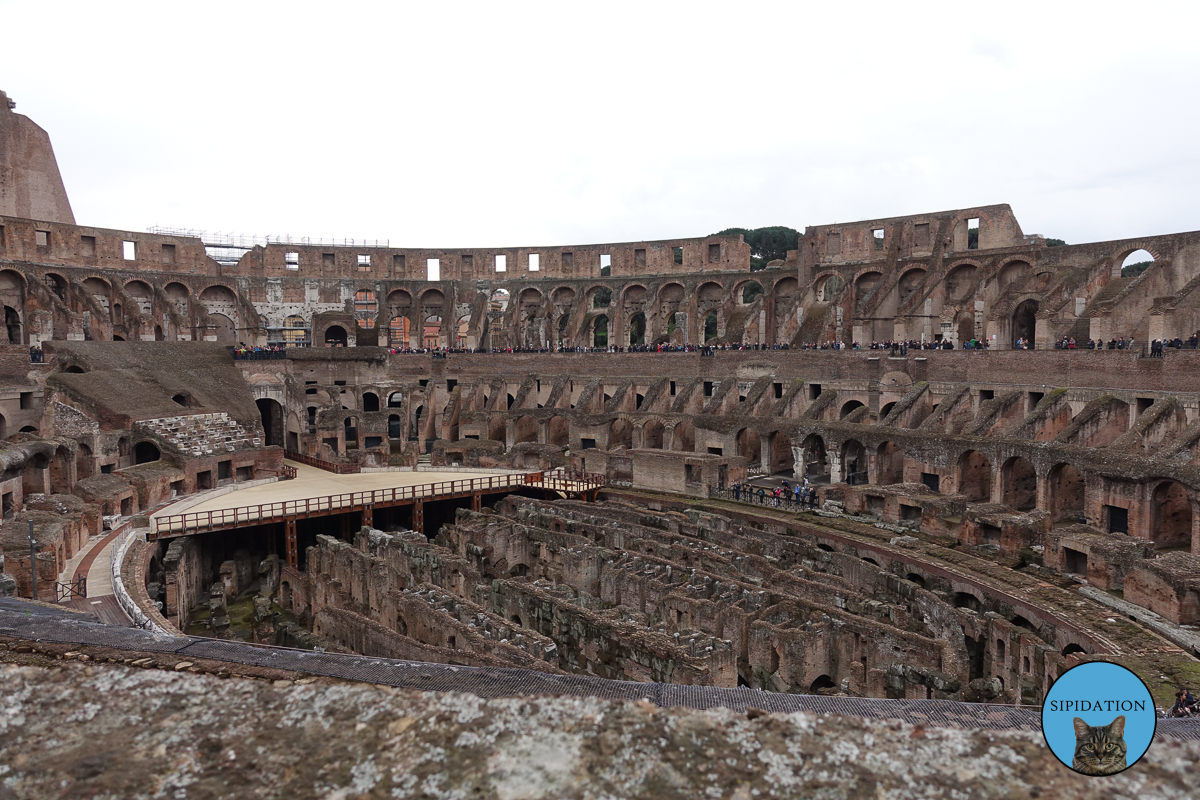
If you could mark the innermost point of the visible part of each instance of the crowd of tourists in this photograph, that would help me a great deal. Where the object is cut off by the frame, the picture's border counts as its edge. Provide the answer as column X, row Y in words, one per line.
column 785, row 495
column 244, row 352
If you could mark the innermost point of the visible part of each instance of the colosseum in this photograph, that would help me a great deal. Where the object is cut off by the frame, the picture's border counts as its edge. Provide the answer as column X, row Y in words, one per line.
column 562, row 461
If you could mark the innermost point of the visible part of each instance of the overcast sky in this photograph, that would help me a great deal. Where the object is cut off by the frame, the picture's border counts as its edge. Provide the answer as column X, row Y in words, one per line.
column 503, row 124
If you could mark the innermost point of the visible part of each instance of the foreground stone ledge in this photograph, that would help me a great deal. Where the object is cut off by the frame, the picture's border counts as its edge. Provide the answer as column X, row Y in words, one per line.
column 111, row 732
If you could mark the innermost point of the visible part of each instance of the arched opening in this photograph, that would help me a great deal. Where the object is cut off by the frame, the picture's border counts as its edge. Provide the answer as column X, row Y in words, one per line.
column 272, row 421
column 1073, row 648
column 965, row 327
column 749, row 446
column 816, row 462
column 919, row 580
column 975, row 476
column 335, row 336
column 295, row 331
column 1025, row 323
column 395, row 400
column 56, row 284
column 620, row 434
column 370, row 401
column 600, row 331
column 74, row 369
column 1172, row 522
column 889, row 464
column 854, row 462
column 432, row 332
column 1020, row 484
column 558, row 431
column 1066, row 493
column 1012, row 273
column 958, row 282
column 849, row 407
column 366, row 308
column 822, row 684
column 829, row 287
column 968, row 601
column 783, row 460
column 525, row 430
column 398, row 332
column 885, row 410
column 1136, row 263
column 221, row 327
column 158, row 334
column 652, row 435
column 145, row 452
column 751, row 292
column 12, row 321
column 83, row 459
column 683, row 438
column 710, row 326
column 637, row 329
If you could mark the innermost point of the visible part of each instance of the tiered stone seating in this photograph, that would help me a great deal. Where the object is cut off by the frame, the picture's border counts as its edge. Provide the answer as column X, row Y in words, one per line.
column 202, row 434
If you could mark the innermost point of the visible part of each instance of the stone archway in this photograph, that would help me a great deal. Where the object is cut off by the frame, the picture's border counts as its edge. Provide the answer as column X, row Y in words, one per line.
column 975, row 476
column 1066, row 490
column 1019, row 481
column 1171, row 525
column 889, row 464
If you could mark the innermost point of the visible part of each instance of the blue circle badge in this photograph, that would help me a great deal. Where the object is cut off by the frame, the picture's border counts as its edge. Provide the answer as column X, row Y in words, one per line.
column 1098, row 718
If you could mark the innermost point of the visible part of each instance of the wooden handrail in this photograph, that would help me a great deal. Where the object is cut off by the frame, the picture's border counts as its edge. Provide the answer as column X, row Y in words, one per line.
column 348, row 501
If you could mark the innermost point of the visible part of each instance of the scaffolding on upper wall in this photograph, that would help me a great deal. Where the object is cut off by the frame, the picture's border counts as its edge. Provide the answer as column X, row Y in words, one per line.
column 228, row 248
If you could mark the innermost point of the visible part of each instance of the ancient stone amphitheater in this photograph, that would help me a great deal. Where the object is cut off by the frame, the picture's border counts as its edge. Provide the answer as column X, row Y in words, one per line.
column 305, row 480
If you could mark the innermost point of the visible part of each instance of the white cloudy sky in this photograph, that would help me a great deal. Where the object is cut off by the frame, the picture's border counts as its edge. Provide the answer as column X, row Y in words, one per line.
column 497, row 124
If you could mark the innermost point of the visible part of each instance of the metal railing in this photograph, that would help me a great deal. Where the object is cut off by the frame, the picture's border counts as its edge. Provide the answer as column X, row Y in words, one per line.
column 287, row 473
column 318, row 506
column 336, row 467
column 750, row 494
column 75, row 588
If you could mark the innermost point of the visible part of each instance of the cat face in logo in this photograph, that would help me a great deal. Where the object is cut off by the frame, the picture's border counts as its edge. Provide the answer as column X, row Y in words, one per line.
column 1100, row 749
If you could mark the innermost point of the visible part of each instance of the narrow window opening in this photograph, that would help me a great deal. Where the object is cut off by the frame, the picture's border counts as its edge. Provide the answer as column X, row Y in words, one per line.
column 168, row 253
column 501, row 263
column 778, row 391
column 534, row 262
column 814, row 391
column 672, row 388
column 716, row 451
column 398, row 264
column 714, row 253
column 433, row 269
column 26, row 399
column 987, row 394
column 708, row 388
column 364, row 263
column 678, row 253
column 877, row 238
column 291, row 261
column 129, row 251
column 42, row 238
column 605, row 265
column 973, row 233
column 327, row 261
column 1143, row 404
column 587, row 444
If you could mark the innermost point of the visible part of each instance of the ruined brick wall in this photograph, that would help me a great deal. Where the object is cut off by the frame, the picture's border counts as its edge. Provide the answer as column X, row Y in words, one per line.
column 30, row 183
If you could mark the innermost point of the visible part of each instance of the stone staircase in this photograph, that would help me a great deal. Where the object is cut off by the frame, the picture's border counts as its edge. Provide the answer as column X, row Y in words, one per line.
column 1081, row 331
column 202, row 434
